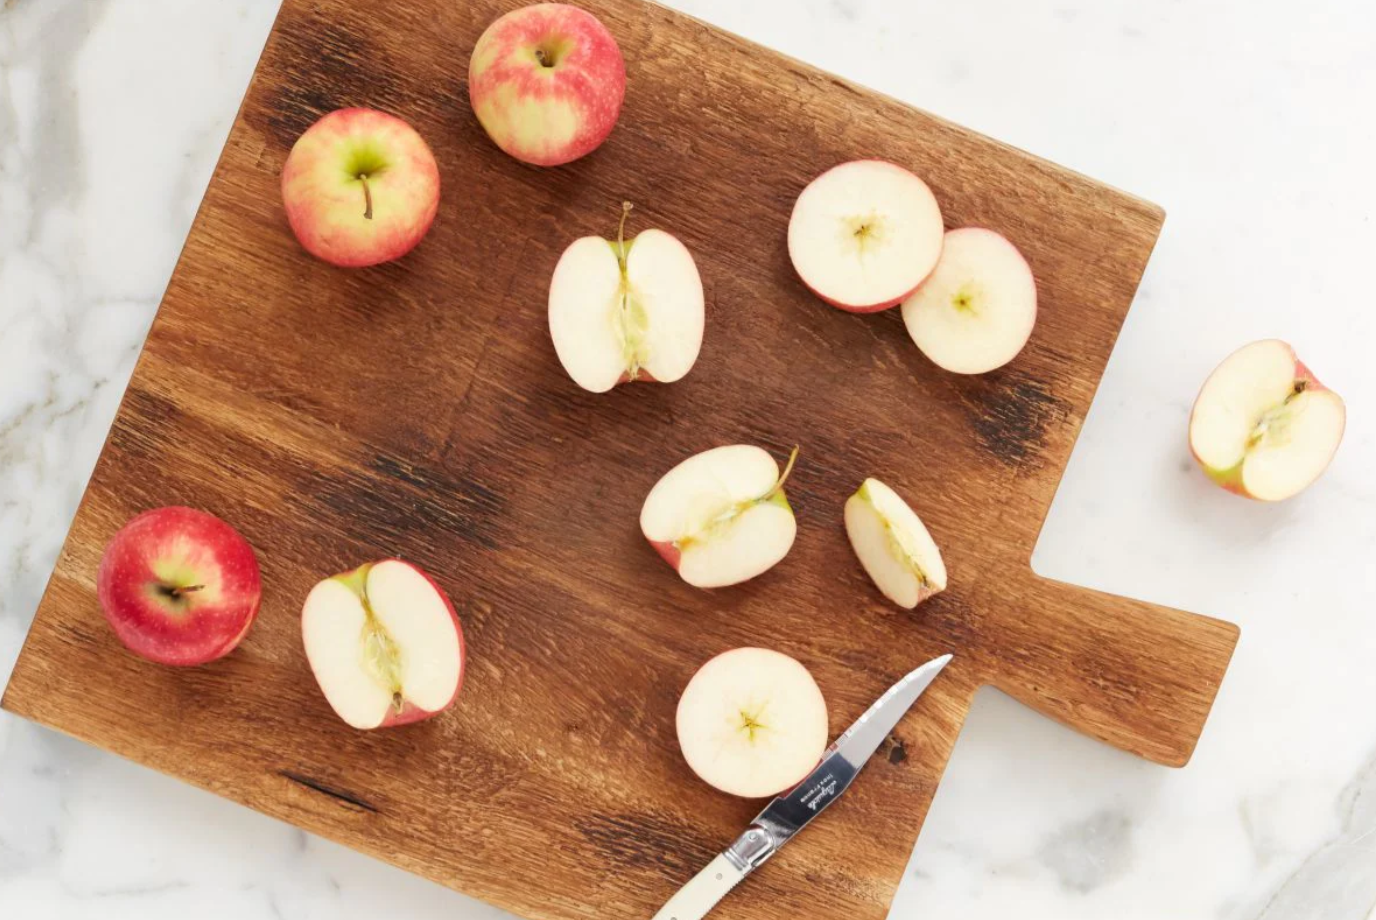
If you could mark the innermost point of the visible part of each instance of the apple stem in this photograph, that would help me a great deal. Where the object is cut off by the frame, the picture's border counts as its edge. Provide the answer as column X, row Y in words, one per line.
column 175, row 591
column 367, row 197
column 621, row 230
column 792, row 459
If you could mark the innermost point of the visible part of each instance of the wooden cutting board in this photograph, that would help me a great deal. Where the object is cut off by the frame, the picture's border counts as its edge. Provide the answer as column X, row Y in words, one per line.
column 417, row 409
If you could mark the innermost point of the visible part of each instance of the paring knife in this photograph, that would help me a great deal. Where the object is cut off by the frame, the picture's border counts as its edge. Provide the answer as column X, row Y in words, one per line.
column 784, row 817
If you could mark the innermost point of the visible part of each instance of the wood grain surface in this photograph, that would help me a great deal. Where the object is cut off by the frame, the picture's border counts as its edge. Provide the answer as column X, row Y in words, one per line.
column 417, row 409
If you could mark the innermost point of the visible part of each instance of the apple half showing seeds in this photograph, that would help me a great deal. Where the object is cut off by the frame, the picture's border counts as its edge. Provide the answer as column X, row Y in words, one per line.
column 626, row 310
column 893, row 545
column 1263, row 426
column 384, row 644
column 360, row 188
column 976, row 310
column 179, row 586
column 721, row 517
column 752, row 722
column 864, row 234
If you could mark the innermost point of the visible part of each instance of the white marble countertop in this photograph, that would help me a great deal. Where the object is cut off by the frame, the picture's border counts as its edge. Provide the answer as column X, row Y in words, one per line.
column 1251, row 121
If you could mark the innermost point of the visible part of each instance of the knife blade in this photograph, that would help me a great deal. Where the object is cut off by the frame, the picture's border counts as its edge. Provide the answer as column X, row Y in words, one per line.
column 788, row 814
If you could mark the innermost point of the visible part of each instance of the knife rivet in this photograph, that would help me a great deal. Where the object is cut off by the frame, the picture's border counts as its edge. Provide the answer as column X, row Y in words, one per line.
column 719, row 876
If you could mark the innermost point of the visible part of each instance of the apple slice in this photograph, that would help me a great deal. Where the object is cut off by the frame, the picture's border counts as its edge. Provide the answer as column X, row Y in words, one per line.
column 384, row 644
column 179, row 586
column 864, row 234
column 626, row 310
column 893, row 545
column 977, row 310
column 721, row 517
column 1263, row 426
column 752, row 722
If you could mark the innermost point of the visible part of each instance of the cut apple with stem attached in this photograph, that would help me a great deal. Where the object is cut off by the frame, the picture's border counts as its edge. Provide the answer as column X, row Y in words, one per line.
column 384, row 644
column 893, row 545
column 1263, row 426
column 626, row 310
column 721, row 517
column 864, row 234
column 977, row 309
column 752, row 722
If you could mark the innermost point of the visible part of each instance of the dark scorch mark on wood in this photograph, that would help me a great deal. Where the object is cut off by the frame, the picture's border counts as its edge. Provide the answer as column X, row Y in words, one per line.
column 1013, row 416
column 644, row 841
column 347, row 798
column 899, row 752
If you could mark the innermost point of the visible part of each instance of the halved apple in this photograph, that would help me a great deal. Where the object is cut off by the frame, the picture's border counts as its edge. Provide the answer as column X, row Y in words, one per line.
column 893, row 545
column 977, row 309
column 1263, row 426
column 721, row 517
column 626, row 310
column 864, row 234
column 752, row 722
column 384, row 643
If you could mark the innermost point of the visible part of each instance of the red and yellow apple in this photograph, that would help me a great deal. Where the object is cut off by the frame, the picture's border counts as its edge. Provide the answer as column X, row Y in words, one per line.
column 384, row 644
column 361, row 187
column 546, row 82
column 179, row 586
column 1263, row 426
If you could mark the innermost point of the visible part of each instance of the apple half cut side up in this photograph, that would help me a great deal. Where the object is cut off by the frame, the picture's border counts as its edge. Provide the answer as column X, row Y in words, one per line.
column 752, row 722
column 977, row 309
column 721, row 517
column 864, row 234
column 384, row 645
column 1263, row 426
column 893, row 545
column 626, row 310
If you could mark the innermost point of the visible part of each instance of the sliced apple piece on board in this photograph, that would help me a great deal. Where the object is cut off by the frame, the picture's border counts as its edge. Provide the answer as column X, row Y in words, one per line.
column 626, row 310
column 721, row 517
column 893, row 545
column 1263, row 426
column 384, row 643
column 864, row 234
column 977, row 309
column 752, row 722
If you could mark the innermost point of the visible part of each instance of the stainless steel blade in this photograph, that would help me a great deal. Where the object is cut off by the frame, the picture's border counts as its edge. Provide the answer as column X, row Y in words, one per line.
column 790, row 812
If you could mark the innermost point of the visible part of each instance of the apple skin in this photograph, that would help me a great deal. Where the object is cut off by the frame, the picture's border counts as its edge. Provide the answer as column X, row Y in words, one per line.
column 191, row 548
column 547, row 115
column 326, row 205
column 1231, row 479
column 410, row 712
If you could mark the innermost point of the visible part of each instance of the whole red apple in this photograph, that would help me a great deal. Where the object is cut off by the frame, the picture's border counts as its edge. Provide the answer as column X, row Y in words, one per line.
column 360, row 188
column 546, row 82
column 179, row 586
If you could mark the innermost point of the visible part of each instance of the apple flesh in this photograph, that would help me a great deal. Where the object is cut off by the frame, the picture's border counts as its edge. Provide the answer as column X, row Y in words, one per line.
column 547, row 82
column 752, row 722
column 977, row 310
column 384, row 644
column 721, row 517
column 893, row 545
column 626, row 310
column 179, row 586
column 360, row 188
column 864, row 234
column 1263, row 426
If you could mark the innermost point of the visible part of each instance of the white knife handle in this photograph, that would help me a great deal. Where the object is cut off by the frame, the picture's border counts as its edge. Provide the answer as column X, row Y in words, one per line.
column 700, row 895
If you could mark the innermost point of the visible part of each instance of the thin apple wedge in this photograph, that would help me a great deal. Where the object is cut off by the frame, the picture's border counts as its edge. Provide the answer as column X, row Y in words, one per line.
column 752, row 722
column 893, row 545
column 1263, row 426
column 721, row 517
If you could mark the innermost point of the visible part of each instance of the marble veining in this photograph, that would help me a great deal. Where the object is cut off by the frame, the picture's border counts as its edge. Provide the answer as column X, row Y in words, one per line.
column 1249, row 122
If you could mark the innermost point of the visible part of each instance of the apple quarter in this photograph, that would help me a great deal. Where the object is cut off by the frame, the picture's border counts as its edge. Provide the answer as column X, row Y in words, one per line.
column 893, row 545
